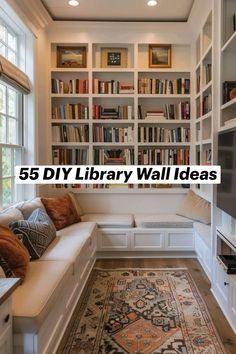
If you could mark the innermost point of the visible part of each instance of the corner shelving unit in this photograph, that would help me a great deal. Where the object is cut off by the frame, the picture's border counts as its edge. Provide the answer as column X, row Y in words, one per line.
column 90, row 150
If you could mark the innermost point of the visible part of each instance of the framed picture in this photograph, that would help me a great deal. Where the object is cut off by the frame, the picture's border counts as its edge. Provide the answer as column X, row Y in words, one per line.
column 114, row 57
column 159, row 56
column 71, row 57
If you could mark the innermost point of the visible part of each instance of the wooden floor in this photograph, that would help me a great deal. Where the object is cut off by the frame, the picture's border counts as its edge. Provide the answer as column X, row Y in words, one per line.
column 225, row 332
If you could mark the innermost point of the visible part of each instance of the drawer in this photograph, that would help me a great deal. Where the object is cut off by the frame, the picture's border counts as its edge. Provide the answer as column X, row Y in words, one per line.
column 113, row 240
column 6, row 341
column 148, row 240
column 180, row 240
column 5, row 315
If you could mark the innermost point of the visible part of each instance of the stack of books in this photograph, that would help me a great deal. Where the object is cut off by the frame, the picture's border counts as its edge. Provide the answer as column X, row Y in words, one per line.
column 155, row 115
column 121, row 112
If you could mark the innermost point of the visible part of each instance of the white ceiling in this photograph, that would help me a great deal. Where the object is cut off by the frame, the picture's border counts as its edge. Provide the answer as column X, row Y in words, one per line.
column 120, row 10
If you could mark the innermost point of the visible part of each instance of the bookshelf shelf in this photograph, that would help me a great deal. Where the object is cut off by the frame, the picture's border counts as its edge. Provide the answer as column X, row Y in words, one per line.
column 164, row 144
column 69, row 70
column 113, row 121
column 70, row 121
column 70, row 144
column 113, row 95
column 230, row 45
column 159, row 70
column 69, row 95
column 163, row 122
column 112, row 70
column 96, row 144
column 229, row 104
column 163, row 96
column 120, row 190
column 207, row 52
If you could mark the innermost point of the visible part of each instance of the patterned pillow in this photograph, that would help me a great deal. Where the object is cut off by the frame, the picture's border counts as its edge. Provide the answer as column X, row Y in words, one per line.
column 37, row 232
column 14, row 257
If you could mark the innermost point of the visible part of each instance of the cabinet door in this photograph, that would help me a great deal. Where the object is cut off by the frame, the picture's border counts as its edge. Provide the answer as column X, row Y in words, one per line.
column 6, row 341
column 232, row 302
column 222, row 286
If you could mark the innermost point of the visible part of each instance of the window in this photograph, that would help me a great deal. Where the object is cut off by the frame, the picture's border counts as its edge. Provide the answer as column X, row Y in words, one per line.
column 11, row 123
column 8, row 43
column 11, row 144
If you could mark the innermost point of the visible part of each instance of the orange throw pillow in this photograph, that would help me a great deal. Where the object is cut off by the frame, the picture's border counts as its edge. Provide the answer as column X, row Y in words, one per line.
column 14, row 257
column 61, row 210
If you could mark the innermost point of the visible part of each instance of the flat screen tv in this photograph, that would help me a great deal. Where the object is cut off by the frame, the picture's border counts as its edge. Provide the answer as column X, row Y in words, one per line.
column 226, row 191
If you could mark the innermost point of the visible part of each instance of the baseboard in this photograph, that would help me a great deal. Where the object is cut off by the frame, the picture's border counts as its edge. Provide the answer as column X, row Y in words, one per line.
column 146, row 254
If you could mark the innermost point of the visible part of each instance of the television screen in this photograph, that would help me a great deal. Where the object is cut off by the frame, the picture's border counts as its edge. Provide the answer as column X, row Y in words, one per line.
column 226, row 191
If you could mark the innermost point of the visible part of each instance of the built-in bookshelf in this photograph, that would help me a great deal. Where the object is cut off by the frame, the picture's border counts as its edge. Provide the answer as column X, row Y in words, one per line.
column 203, row 120
column 114, row 116
column 228, row 59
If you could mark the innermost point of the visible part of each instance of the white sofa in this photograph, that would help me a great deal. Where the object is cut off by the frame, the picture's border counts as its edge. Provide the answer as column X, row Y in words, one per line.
column 43, row 305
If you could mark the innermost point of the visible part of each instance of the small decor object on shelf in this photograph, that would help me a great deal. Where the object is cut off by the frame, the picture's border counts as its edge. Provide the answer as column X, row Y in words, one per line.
column 71, row 57
column 114, row 57
column 159, row 55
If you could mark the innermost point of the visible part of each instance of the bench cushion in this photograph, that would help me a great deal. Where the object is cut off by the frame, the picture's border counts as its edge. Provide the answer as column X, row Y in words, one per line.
column 110, row 220
column 33, row 301
column 9, row 215
column 204, row 232
column 69, row 243
column 162, row 221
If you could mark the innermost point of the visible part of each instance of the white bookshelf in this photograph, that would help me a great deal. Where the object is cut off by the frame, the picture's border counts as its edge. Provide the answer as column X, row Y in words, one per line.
column 137, row 68
column 203, row 96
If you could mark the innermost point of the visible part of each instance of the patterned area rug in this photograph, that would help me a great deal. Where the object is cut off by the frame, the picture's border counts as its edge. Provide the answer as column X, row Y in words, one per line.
column 140, row 311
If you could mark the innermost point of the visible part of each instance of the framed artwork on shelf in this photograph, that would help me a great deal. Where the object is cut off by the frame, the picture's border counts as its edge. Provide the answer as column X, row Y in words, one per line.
column 71, row 57
column 114, row 57
column 159, row 55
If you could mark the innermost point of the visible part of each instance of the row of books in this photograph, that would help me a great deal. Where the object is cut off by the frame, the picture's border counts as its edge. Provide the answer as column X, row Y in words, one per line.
column 121, row 112
column 163, row 135
column 111, row 87
column 70, row 111
column 66, row 133
column 177, row 111
column 62, row 156
column 206, row 104
column 207, row 70
column 113, row 157
column 228, row 86
column 113, row 135
column 163, row 157
column 74, row 86
column 158, row 86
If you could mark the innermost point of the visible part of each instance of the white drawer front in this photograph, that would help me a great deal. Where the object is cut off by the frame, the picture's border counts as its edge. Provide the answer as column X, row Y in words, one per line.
column 148, row 241
column 180, row 240
column 6, row 341
column 113, row 240
column 5, row 315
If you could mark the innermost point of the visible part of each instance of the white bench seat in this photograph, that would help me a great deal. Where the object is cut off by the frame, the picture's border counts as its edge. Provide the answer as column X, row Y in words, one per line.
column 161, row 221
column 35, row 300
column 204, row 232
column 114, row 221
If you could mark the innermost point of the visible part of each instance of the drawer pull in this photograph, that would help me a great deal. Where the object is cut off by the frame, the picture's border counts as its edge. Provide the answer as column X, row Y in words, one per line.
column 6, row 319
column 225, row 283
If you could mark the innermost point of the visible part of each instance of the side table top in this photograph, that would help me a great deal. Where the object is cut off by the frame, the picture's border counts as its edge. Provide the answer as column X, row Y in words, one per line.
column 7, row 286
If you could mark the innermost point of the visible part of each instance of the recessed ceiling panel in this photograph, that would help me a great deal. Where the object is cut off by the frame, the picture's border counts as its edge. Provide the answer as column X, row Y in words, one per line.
column 119, row 10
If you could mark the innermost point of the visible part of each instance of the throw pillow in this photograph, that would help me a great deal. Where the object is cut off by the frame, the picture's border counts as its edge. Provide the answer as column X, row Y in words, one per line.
column 61, row 210
column 195, row 208
column 37, row 232
column 27, row 207
column 14, row 257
